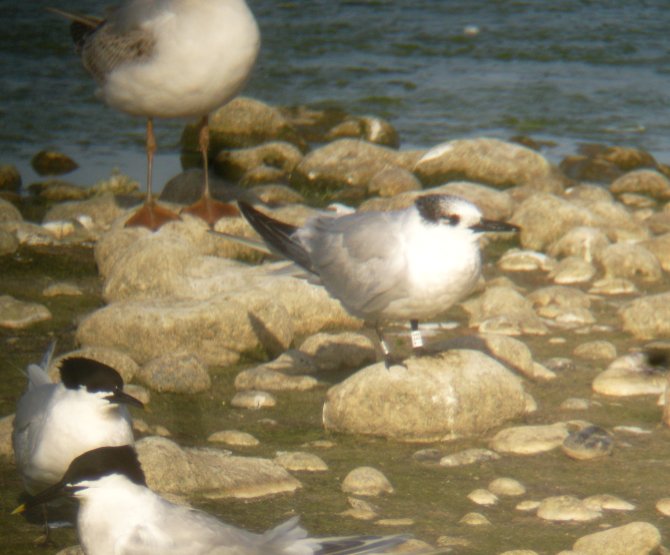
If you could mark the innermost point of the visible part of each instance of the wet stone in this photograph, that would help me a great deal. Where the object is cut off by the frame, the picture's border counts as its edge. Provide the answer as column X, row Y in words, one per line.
column 629, row 375
column 663, row 506
column 647, row 317
column 267, row 379
column 175, row 373
column 589, row 443
column 575, row 403
column 475, row 519
column 366, row 480
column 62, row 289
column 469, row 456
column 572, row 270
column 515, row 260
column 234, row 438
column 9, row 244
column 49, row 162
column 613, row 286
column 630, row 261
column 337, row 351
column 507, row 487
column 483, row 497
column 596, row 350
column 360, row 509
column 566, row 508
column 15, row 314
column 395, row 522
column 636, row 538
column 299, row 461
column 607, row 502
column 527, row 506
column 529, row 440
column 251, row 399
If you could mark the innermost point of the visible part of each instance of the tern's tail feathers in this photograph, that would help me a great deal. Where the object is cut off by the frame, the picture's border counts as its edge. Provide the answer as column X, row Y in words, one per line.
column 359, row 545
column 279, row 236
column 37, row 373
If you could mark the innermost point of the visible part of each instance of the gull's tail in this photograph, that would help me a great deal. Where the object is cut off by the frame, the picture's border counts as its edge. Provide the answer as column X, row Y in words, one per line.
column 279, row 236
column 359, row 545
column 37, row 373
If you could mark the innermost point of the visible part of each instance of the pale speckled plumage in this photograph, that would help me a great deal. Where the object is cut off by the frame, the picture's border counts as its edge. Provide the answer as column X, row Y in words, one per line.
column 172, row 58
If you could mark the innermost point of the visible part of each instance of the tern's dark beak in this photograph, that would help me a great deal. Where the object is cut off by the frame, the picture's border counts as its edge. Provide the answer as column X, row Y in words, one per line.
column 59, row 489
column 494, row 225
column 119, row 397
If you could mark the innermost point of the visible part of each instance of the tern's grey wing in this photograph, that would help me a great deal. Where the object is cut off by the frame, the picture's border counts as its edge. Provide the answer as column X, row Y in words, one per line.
column 180, row 530
column 124, row 37
column 360, row 259
column 28, row 420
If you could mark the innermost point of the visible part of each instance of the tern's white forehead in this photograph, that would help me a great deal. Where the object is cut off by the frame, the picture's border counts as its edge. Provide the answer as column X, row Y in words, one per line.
column 455, row 210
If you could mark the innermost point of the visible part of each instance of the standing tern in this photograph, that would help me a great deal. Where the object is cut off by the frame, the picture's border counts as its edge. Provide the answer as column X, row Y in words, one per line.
column 409, row 264
column 55, row 422
column 170, row 59
column 120, row 515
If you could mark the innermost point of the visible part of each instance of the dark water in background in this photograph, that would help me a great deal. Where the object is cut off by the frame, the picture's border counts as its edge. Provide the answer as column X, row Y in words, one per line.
column 565, row 70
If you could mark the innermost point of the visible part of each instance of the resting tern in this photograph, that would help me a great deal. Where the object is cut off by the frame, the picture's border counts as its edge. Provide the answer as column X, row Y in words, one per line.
column 120, row 515
column 409, row 264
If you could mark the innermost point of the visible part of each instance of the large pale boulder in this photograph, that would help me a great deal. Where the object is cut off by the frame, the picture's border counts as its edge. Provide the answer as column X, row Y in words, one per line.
column 454, row 394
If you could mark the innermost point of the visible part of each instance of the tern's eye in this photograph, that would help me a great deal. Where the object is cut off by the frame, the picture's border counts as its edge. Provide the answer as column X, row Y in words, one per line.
column 453, row 219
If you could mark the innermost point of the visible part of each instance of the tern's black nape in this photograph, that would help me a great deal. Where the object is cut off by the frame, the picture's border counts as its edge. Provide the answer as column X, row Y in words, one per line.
column 104, row 461
column 95, row 376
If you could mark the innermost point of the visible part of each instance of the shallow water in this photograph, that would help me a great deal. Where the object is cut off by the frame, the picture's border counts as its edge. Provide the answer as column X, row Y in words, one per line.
column 434, row 497
column 563, row 70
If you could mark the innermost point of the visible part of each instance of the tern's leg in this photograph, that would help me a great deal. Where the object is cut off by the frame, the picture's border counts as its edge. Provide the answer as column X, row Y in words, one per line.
column 207, row 208
column 388, row 360
column 151, row 215
column 417, row 340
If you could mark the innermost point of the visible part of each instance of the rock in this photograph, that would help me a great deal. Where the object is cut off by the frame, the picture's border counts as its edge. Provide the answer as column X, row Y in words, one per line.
column 264, row 378
column 98, row 212
column 503, row 310
column 9, row 244
column 572, row 270
column 606, row 502
column 624, row 260
column 218, row 328
column 62, row 288
column 595, row 350
column 10, row 178
column 629, row 375
column 636, row 538
column 116, row 184
column 243, row 122
column 392, row 181
column 508, row 487
column 528, row 505
column 299, row 461
column 72, row 550
column 660, row 247
column 251, row 399
column 175, row 373
column 346, row 350
column 57, row 190
column 453, row 394
column 584, row 242
column 343, row 164
column 483, row 497
column 235, row 163
column 517, row 260
column 529, row 440
column 372, row 129
column 469, row 456
column 8, row 212
column 506, row 350
column 273, row 194
column 613, row 286
column 575, row 403
column 115, row 358
column 585, row 168
column 566, row 508
column 646, row 182
column 234, row 438
column 366, row 480
column 663, row 506
column 588, row 443
column 489, row 161
column 647, row 317
column 545, row 218
column 49, row 162
column 15, row 314
column 360, row 509
column 209, row 472
column 6, row 428
column 474, row 519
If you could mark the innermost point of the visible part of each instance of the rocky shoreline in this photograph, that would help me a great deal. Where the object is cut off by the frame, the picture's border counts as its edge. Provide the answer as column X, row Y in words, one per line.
column 555, row 367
